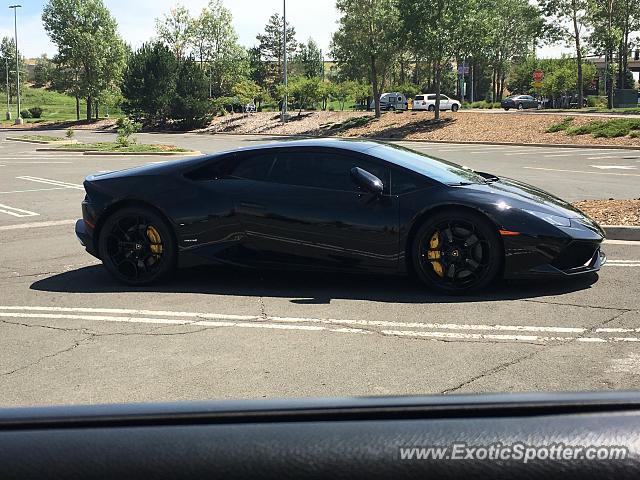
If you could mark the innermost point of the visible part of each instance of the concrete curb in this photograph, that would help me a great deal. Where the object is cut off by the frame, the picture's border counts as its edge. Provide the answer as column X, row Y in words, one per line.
column 190, row 153
column 422, row 140
column 622, row 232
column 42, row 142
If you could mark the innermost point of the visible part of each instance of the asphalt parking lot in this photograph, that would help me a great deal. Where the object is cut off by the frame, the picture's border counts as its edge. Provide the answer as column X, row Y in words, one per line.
column 70, row 334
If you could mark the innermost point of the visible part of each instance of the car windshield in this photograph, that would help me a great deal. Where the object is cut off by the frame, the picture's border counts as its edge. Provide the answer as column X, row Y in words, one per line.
column 438, row 169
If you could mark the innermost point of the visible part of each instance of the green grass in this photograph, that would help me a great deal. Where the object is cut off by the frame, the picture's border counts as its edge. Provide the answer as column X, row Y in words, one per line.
column 560, row 126
column 41, row 138
column 628, row 111
column 115, row 147
column 619, row 127
column 56, row 106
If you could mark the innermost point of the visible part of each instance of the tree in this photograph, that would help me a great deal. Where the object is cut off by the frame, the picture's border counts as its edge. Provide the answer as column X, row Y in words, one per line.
column 149, row 84
column 8, row 60
column 43, row 71
column 341, row 92
column 304, row 91
column 366, row 36
column 190, row 107
column 309, row 59
column 247, row 91
column 572, row 18
column 215, row 42
column 175, row 29
column 437, row 29
column 271, row 48
column 89, row 47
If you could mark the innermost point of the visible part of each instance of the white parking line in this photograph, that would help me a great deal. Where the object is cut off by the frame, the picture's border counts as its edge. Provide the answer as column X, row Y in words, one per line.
column 557, row 155
column 33, row 163
column 52, row 182
column 34, row 190
column 583, row 171
column 523, row 333
column 16, row 212
column 21, row 226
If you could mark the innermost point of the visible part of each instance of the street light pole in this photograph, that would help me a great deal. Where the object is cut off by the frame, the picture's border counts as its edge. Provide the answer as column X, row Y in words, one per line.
column 6, row 67
column 15, row 8
column 284, row 57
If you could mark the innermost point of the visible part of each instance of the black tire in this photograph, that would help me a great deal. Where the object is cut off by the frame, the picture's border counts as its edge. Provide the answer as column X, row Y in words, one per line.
column 520, row 106
column 431, row 108
column 470, row 253
column 137, row 246
column 454, row 108
column 506, row 109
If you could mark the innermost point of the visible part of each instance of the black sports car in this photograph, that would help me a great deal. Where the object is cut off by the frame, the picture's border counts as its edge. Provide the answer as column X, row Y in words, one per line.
column 357, row 206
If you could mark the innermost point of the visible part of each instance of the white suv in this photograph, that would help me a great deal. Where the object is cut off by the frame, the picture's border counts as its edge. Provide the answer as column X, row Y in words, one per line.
column 427, row 101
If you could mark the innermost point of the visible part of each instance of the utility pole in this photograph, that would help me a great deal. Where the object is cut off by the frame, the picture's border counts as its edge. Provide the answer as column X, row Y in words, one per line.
column 6, row 67
column 284, row 57
column 15, row 8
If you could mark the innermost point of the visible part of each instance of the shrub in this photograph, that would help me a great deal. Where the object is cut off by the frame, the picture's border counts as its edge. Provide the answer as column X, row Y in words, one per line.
column 36, row 112
column 331, row 108
column 25, row 114
column 618, row 127
column 562, row 125
column 126, row 128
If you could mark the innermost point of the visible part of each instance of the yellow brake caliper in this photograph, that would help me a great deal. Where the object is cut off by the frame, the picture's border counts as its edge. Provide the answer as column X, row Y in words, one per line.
column 434, row 254
column 154, row 238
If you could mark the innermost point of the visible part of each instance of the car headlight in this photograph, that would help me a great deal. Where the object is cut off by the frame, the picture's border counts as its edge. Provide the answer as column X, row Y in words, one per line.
column 556, row 220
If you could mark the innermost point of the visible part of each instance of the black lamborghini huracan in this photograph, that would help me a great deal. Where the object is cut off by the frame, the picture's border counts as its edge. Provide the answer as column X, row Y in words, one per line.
column 357, row 206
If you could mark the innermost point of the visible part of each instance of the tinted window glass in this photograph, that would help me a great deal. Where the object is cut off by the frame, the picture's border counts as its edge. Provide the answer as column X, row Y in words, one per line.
column 444, row 97
column 419, row 97
column 323, row 170
column 254, row 168
column 435, row 168
column 404, row 181
column 431, row 97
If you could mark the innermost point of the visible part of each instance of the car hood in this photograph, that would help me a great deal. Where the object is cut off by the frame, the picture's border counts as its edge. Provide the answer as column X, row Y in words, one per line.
column 516, row 194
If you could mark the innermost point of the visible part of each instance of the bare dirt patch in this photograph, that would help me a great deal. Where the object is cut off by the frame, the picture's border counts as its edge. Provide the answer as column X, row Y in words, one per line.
column 453, row 127
column 612, row 212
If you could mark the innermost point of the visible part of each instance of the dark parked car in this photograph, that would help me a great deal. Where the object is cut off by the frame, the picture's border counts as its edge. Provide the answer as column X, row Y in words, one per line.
column 519, row 102
column 356, row 206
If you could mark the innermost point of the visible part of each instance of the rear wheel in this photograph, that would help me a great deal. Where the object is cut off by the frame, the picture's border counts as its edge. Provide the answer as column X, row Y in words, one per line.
column 432, row 108
column 454, row 107
column 456, row 252
column 136, row 246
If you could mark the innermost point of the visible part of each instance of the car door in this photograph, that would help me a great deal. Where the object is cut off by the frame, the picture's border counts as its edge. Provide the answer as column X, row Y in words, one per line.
column 445, row 102
column 310, row 213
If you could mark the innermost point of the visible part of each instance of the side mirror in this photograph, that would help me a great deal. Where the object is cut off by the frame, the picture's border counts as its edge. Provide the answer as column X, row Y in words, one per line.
column 366, row 181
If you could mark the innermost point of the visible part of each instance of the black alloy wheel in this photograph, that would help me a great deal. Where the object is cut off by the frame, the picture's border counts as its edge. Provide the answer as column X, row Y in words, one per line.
column 137, row 246
column 457, row 252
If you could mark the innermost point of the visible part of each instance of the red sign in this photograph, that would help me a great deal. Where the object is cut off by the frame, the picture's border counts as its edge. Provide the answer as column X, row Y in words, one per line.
column 538, row 75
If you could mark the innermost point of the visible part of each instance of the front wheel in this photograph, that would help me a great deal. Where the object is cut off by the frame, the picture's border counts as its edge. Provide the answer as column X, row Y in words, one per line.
column 137, row 246
column 520, row 106
column 457, row 252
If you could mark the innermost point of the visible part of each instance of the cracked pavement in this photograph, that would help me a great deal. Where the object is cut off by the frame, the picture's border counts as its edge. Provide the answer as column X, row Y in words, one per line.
column 98, row 356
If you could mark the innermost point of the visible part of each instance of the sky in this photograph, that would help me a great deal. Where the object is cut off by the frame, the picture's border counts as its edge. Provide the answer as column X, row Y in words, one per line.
column 136, row 21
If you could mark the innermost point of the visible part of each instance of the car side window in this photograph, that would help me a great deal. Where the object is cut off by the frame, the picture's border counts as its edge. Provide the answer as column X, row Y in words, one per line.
column 404, row 181
column 419, row 97
column 431, row 97
column 324, row 170
column 256, row 167
column 444, row 97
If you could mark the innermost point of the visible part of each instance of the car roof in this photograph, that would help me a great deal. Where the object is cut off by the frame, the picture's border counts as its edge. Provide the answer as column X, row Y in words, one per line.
column 353, row 145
